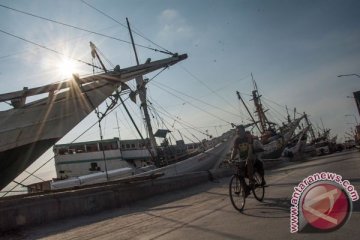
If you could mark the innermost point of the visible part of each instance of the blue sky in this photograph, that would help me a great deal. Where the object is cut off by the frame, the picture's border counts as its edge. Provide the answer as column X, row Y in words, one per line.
column 295, row 50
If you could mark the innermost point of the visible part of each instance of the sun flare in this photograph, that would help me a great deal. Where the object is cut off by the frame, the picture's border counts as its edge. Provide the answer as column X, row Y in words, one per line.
column 66, row 68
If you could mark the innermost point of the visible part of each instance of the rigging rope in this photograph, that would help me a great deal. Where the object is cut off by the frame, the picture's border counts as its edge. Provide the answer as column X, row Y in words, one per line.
column 196, row 99
column 41, row 166
column 49, row 49
column 273, row 116
column 213, row 115
column 104, row 57
column 7, row 192
column 161, row 119
column 212, row 91
column 282, row 107
column 100, row 115
column 132, row 131
column 178, row 120
column 121, row 24
column 81, row 29
column 64, row 41
column 175, row 128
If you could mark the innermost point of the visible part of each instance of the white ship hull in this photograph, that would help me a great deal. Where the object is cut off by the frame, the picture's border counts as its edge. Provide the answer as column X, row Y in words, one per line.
column 201, row 162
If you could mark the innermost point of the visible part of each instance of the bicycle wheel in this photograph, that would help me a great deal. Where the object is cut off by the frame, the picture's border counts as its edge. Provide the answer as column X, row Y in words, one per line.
column 258, row 190
column 237, row 193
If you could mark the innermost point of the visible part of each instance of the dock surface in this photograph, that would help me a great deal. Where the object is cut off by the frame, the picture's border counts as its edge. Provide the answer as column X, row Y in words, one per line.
column 205, row 211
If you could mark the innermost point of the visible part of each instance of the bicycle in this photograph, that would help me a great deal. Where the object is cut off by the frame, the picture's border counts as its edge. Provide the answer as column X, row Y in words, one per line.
column 236, row 186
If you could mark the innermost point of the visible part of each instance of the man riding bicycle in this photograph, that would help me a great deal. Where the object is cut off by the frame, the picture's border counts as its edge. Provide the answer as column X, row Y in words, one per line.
column 244, row 145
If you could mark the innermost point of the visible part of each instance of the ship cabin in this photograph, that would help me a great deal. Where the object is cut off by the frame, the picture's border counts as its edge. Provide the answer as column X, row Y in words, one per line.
column 193, row 147
column 83, row 158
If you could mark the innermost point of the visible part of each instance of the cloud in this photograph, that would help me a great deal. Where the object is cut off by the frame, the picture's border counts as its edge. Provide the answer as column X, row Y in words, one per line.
column 173, row 27
column 169, row 14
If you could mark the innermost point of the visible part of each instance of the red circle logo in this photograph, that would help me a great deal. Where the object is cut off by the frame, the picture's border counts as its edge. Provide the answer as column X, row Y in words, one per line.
column 326, row 206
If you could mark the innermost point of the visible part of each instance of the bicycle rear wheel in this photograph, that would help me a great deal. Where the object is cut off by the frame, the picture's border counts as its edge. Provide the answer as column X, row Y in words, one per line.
column 258, row 190
column 237, row 193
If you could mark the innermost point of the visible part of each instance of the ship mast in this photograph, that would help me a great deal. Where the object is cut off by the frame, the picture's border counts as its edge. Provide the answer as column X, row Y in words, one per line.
column 247, row 109
column 142, row 95
column 259, row 108
column 310, row 127
column 288, row 115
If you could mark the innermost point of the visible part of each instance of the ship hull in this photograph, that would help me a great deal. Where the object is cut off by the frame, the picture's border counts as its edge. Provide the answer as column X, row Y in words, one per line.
column 15, row 161
column 31, row 130
column 34, row 127
column 205, row 161
column 201, row 162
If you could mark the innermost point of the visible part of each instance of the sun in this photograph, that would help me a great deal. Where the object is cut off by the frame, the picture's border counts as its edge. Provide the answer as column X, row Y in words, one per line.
column 66, row 67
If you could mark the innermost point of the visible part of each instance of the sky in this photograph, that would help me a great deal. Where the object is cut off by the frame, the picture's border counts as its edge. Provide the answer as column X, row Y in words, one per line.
column 294, row 49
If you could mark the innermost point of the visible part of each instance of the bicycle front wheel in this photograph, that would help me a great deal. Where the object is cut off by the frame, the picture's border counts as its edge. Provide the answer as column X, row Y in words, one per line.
column 258, row 190
column 237, row 193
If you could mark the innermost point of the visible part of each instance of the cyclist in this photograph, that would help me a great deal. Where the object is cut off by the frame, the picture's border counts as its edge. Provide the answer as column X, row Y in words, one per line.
column 243, row 145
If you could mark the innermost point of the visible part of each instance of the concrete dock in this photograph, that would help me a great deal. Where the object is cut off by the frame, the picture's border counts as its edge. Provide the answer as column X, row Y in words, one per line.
column 204, row 211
